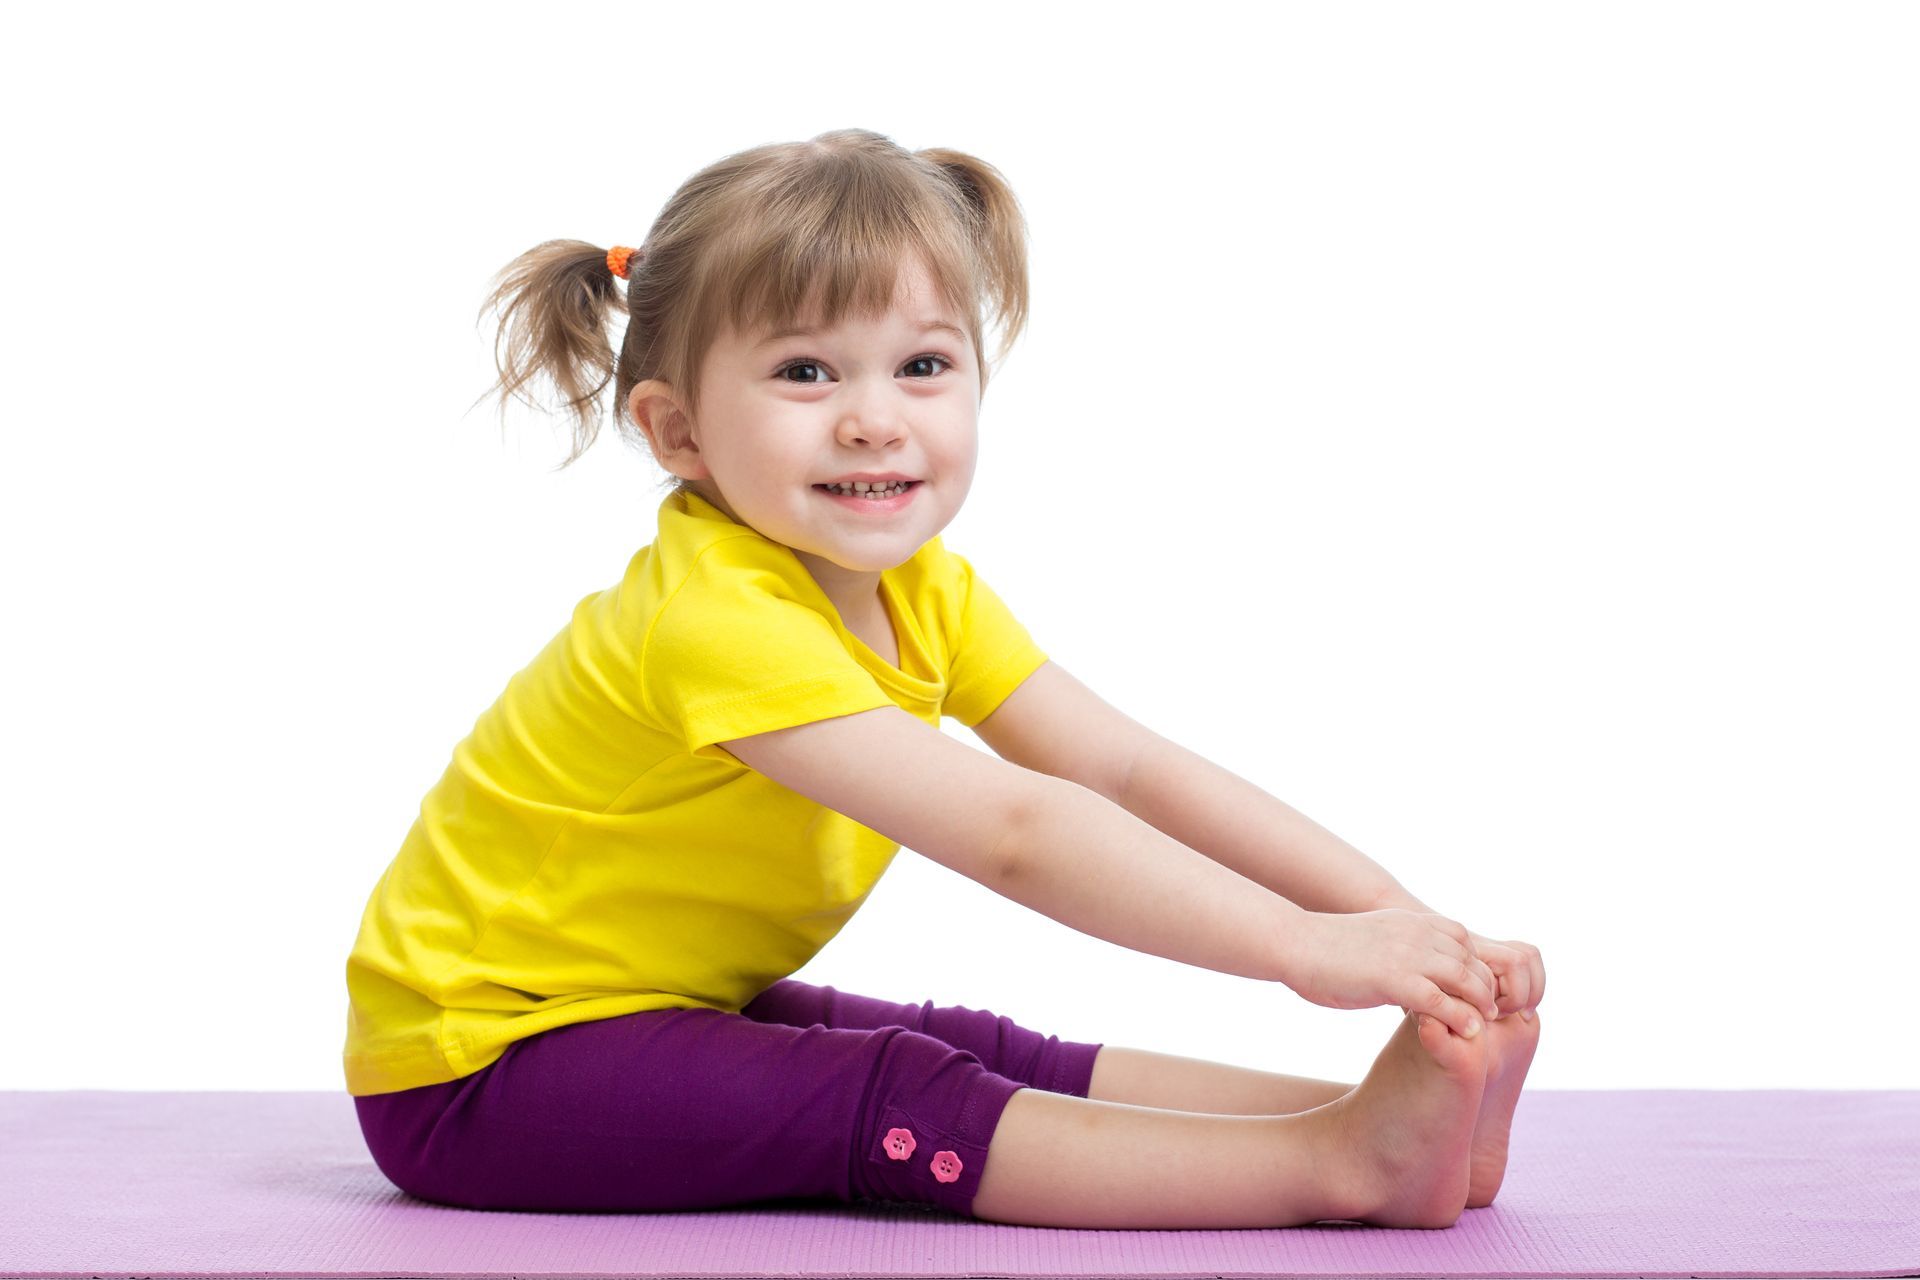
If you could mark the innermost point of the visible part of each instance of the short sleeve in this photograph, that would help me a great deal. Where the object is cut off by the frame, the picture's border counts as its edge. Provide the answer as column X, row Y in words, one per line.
column 736, row 651
column 991, row 654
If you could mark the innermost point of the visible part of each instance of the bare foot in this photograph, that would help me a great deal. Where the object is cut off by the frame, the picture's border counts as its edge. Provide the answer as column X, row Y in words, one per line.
column 1510, row 1045
column 1406, row 1131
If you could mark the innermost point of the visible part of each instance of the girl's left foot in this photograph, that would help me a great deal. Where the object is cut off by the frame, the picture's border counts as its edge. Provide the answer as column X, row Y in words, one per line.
column 1510, row 1044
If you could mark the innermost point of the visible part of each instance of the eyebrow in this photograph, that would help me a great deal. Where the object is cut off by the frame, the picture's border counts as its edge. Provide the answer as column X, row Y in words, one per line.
column 926, row 326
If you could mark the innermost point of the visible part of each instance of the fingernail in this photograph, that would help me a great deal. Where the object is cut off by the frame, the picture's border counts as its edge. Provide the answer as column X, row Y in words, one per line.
column 1527, row 1014
column 1473, row 1027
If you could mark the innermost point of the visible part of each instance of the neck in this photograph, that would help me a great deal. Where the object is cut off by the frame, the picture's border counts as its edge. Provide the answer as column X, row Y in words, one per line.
column 855, row 592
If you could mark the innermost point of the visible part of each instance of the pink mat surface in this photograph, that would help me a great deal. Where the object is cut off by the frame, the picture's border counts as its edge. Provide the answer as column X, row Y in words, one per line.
column 1599, row 1183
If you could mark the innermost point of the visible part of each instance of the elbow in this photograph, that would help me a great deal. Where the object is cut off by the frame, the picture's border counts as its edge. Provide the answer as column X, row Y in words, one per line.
column 1037, row 814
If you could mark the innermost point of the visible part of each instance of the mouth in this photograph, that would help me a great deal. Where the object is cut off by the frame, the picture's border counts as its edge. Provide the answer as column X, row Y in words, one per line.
column 896, row 497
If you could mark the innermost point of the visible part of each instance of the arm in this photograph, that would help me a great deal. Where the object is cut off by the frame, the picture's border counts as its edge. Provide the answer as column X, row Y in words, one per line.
column 1056, row 726
column 1079, row 858
column 1053, row 724
column 1047, row 843
column 1240, row 826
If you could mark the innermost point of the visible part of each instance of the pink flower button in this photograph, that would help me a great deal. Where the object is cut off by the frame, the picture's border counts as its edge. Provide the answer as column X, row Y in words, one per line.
column 945, row 1166
column 899, row 1143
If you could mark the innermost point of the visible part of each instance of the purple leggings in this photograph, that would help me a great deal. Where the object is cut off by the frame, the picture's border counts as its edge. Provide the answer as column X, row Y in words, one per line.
column 807, row 1093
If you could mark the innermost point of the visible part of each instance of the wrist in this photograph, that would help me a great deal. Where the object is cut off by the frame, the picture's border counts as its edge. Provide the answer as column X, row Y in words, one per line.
column 1290, row 935
column 1395, row 896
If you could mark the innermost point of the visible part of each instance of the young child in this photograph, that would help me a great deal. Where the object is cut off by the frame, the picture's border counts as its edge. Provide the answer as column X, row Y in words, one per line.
column 569, row 989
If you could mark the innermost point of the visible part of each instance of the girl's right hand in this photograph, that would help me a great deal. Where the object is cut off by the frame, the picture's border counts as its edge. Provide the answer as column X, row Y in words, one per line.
column 1422, row 962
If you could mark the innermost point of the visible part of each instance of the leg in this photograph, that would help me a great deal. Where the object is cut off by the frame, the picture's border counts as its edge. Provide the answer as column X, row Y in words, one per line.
column 1393, row 1151
column 1057, row 1160
column 695, row 1108
column 1192, row 1084
column 1003, row 1046
column 1060, row 1161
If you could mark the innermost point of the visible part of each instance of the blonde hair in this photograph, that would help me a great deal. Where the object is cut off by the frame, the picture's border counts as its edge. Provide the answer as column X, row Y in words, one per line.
column 746, row 242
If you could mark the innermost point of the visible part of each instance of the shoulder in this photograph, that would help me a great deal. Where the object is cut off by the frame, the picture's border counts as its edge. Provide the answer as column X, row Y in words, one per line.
column 699, row 549
column 711, row 596
column 703, row 561
column 740, row 562
column 739, row 591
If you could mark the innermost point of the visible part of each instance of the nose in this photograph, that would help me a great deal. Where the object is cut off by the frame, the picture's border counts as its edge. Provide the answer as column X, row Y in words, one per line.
column 872, row 419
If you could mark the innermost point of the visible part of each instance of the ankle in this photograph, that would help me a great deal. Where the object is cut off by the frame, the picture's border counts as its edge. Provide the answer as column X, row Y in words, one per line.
column 1349, row 1170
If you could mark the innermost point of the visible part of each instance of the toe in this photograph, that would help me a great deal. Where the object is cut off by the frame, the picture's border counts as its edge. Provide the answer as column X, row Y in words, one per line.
column 1525, row 1030
column 1460, row 1055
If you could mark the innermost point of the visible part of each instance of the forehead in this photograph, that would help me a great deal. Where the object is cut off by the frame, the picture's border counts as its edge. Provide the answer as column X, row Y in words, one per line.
column 916, row 304
column 935, row 323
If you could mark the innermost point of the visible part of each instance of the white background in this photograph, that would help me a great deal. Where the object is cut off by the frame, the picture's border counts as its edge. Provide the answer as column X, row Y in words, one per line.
column 1489, row 428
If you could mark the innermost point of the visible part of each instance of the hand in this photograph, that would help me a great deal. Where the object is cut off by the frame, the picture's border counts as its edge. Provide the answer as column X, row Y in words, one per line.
column 1417, row 960
column 1517, row 967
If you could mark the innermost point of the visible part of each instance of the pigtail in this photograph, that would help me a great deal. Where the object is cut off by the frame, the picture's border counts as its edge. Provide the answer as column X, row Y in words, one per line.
column 999, row 234
column 555, row 302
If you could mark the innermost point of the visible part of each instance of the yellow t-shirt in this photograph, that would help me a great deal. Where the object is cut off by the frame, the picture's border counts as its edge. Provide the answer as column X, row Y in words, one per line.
column 589, row 851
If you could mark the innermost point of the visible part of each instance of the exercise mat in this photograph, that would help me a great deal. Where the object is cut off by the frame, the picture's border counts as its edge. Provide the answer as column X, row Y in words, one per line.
column 1659, row 1183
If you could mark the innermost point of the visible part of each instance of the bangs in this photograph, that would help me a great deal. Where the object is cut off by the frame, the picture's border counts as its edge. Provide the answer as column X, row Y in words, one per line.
column 812, row 256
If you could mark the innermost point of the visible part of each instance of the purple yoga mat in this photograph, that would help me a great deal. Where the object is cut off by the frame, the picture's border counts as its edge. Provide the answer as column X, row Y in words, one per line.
column 1599, row 1183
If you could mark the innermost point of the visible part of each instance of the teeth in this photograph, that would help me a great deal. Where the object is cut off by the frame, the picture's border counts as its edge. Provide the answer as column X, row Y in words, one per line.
column 874, row 491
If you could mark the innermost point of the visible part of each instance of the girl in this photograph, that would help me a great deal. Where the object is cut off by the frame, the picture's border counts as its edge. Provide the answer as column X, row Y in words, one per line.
column 569, row 987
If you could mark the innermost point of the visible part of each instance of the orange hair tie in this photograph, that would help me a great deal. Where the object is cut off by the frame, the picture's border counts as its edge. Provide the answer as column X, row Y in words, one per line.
column 617, row 259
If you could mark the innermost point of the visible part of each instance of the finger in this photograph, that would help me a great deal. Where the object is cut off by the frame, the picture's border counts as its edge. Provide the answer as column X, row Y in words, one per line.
column 1492, row 978
column 1465, row 1019
column 1502, row 994
column 1459, row 1015
column 1526, row 978
column 1482, row 988
column 1520, row 978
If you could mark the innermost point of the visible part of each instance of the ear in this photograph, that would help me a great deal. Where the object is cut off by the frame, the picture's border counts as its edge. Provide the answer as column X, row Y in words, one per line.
column 657, row 412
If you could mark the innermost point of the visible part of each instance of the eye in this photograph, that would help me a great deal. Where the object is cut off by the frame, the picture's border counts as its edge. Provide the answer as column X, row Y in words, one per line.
column 797, row 364
column 815, row 364
column 942, row 359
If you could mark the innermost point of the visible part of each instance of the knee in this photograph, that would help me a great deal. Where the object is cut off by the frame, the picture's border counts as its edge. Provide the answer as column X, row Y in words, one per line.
column 797, row 1004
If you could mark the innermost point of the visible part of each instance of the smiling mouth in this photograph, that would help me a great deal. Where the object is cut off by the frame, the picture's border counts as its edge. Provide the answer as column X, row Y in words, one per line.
column 899, row 488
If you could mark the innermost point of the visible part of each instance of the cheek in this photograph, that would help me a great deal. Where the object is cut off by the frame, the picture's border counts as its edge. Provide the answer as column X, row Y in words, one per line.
column 960, row 455
column 763, row 458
